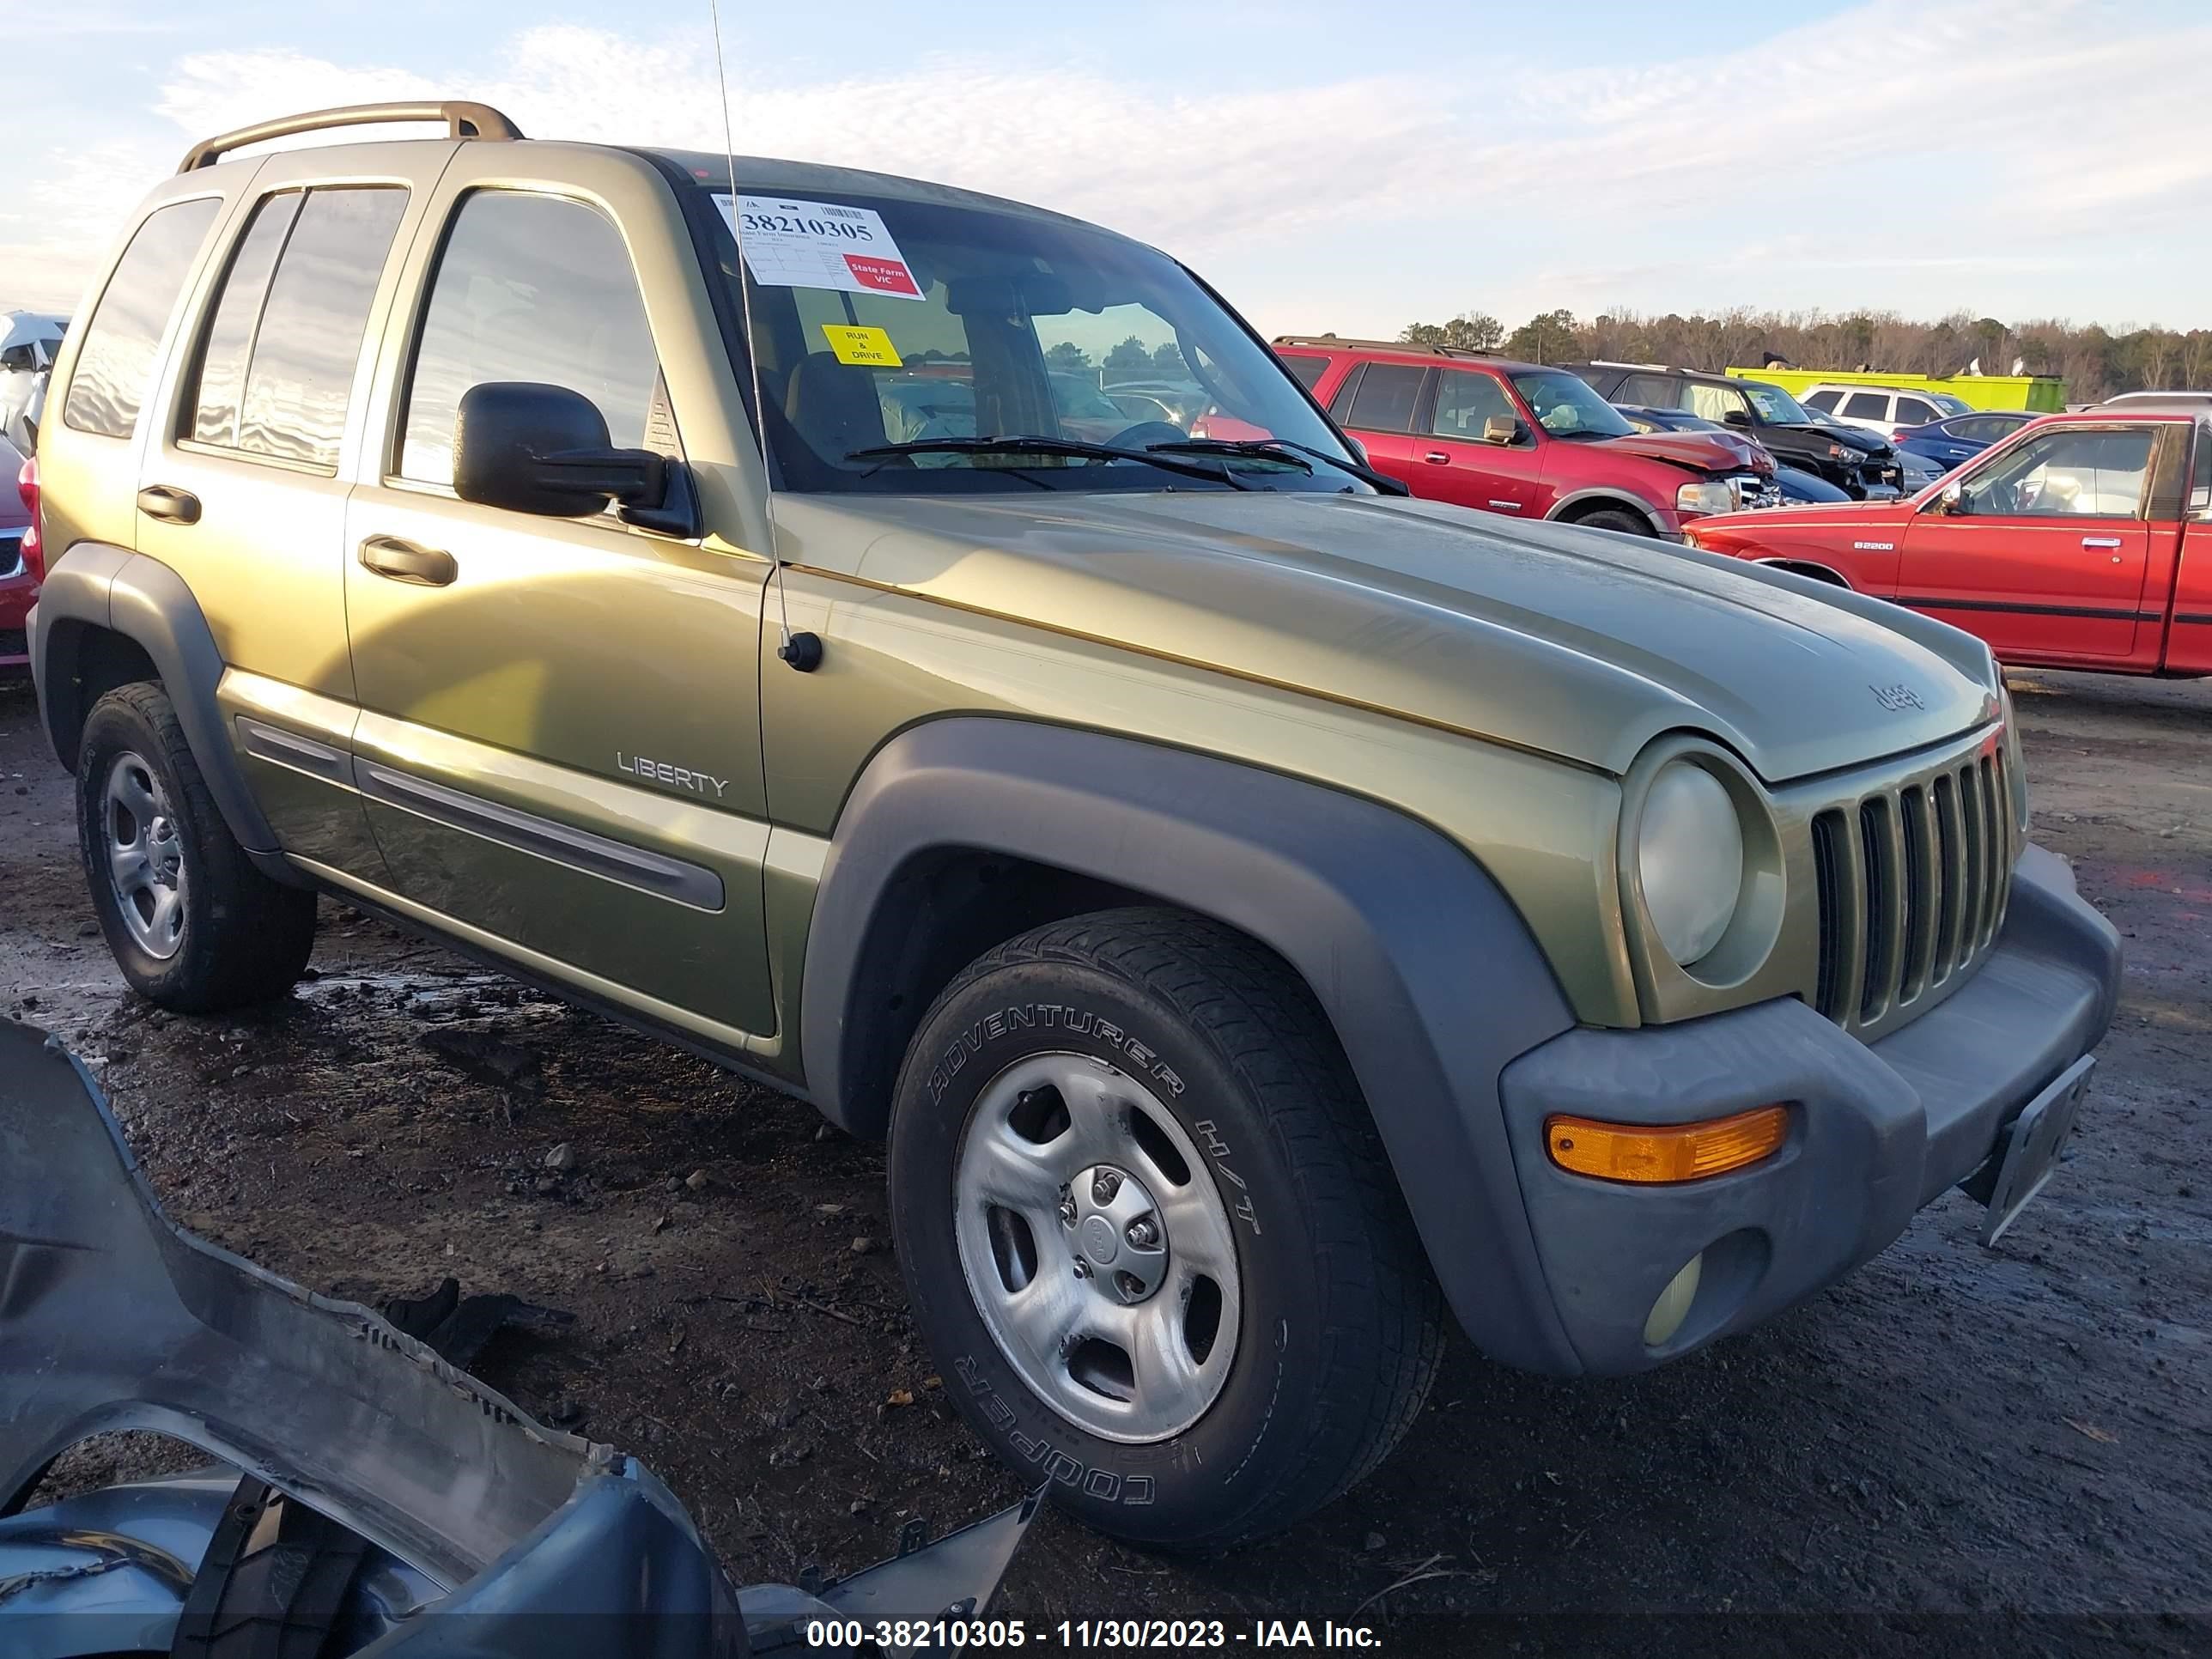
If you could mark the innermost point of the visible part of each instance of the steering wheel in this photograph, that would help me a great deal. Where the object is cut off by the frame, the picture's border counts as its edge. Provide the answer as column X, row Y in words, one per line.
column 1148, row 432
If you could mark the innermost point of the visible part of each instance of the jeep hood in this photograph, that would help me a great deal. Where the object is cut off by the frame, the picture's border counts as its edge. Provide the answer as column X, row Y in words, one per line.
column 1699, row 451
column 1581, row 644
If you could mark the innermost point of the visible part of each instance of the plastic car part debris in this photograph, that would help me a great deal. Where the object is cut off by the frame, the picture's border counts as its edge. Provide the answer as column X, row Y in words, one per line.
column 398, row 1507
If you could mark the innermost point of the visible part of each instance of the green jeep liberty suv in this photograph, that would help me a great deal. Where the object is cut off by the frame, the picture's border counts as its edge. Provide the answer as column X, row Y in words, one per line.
column 1261, row 910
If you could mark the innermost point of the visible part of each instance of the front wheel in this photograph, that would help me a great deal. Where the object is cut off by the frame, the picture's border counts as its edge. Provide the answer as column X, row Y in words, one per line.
column 1616, row 518
column 1150, row 1233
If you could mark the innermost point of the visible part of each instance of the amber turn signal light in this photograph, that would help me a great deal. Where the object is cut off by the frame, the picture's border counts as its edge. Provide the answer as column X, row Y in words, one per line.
column 1660, row 1153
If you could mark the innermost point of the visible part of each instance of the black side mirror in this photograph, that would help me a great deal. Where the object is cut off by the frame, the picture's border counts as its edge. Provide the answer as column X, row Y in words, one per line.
column 1737, row 417
column 544, row 449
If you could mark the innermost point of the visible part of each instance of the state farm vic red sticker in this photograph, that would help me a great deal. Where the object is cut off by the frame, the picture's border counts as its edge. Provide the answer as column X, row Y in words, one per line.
column 794, row 244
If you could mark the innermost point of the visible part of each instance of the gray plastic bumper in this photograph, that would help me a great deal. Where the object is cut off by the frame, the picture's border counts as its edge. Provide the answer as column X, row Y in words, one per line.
column 1876, row 1131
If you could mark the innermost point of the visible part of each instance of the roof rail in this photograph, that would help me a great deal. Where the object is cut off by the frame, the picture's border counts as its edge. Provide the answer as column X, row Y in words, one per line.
column 1329, row 340
column 463, row 119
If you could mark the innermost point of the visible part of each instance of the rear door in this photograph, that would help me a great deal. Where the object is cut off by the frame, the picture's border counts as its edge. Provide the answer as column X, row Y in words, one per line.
column 1377, row 403
column 559, row 738
column 2045, row 553
column 2188, row 647
column 242, row 491
column 1459, row 464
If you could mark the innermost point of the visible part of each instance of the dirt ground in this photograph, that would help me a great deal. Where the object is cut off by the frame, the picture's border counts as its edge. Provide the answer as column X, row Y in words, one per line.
column 1956, row 1448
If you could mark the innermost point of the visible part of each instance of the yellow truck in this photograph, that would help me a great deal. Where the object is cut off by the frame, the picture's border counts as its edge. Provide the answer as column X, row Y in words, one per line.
column 2043, row 393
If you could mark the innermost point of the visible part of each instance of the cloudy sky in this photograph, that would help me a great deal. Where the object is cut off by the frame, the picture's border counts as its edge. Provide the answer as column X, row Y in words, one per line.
column 1327, row 166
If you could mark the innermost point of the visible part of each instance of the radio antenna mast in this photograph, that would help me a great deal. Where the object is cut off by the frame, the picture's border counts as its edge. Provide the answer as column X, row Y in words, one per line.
column 802, row 650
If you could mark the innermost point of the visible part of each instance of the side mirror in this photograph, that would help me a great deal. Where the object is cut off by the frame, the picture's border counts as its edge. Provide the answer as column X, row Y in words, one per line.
column 1501, row 429
column 1358, row 450
column 1736, row 417
column 544, row 449
column 1953, row 500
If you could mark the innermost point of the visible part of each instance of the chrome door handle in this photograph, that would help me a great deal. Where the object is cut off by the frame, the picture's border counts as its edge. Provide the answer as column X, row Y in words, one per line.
column 1437, row 458
column 169, row 504
column 2100, row 541
column 403, row 561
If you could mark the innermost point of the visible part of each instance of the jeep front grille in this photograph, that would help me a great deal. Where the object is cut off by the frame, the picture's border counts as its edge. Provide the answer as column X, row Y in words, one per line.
column 1912, row 879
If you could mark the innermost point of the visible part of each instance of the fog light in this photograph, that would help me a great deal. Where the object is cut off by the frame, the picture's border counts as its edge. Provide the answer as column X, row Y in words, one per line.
column 1665, row 1151
column 1673, row 1306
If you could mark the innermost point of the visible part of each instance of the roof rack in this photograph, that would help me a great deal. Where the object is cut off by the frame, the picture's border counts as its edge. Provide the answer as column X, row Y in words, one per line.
column 1326, row 340
column 463, row 119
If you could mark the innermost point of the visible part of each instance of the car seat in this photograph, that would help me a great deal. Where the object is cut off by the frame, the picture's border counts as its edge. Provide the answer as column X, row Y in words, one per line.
column 833, row 406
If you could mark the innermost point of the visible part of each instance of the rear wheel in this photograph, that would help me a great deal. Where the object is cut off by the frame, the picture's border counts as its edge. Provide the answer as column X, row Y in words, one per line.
column 191, row 923
column 1150, row 1233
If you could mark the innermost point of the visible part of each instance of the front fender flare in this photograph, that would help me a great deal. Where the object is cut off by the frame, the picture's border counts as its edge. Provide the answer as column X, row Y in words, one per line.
column 1428, row 975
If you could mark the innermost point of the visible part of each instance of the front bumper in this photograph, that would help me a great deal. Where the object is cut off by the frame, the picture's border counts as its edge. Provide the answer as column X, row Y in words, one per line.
column 1876, row 1131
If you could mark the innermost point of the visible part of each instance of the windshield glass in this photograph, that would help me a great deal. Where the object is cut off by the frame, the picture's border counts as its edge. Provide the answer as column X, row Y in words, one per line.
column 885, row 321
column 1948, row 405
column 1774, row 406
column 1566, row 407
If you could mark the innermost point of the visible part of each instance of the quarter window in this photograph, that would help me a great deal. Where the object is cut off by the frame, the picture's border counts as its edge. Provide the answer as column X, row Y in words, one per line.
column 278, row 368
column 117, row 360
column 529, row 288
column 1307, row 370
column 1385, row 399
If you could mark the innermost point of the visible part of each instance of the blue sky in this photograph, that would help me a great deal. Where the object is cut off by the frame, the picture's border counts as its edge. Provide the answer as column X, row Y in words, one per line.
column 1327, row 166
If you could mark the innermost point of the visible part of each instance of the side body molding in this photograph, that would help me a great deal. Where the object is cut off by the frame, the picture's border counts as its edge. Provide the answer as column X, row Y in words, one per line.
column 1427, row 972
column 94, row 586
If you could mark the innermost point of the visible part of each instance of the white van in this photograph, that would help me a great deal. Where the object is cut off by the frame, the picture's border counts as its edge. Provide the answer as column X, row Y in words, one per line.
column 1886, row 410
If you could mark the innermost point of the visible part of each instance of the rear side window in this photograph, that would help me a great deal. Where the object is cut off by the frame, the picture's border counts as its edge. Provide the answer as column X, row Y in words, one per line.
column 529, row 288
column 1649, row 392
column 1385, row 399
column 278, row 367
column 116, row 364
column 1823, row 401
column 1306, row 370
column 1867, row 406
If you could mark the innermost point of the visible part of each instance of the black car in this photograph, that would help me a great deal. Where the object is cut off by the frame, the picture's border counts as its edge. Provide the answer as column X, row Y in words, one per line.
column 1961, row 437
column 1862, row 464
column 1798, row 486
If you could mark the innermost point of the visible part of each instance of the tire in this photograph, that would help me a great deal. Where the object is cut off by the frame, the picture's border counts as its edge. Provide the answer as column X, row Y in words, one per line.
column 207, row 932
column 1613, row 518
column 1194, row 1047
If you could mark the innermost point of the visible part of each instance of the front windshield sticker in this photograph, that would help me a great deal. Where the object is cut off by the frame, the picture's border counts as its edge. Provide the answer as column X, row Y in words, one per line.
column 792, row 244
column 865, row 348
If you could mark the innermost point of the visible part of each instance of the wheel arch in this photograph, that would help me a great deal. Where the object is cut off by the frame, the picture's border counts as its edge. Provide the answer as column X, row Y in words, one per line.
column 1810, row 568
column 1345, row 891
column 1572, row 508
column 106, row 616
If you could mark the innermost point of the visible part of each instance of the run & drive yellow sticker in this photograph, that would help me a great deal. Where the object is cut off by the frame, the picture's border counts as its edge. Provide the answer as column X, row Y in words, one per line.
column 866, row 348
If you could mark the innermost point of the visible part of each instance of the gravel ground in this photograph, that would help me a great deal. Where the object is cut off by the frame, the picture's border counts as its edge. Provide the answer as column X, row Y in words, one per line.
column 2004, row 1451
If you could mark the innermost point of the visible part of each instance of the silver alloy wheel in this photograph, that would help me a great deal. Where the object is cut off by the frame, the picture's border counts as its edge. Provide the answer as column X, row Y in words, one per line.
column 145, row 857
column 1098, row 1248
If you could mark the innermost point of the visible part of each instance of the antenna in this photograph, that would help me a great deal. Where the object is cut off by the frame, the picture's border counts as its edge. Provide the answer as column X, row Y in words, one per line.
column 802, row 650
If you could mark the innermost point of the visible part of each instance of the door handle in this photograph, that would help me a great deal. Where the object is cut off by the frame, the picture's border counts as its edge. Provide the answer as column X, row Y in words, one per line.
column 2100, row 541
column 403, row 561
column 169, row 504
column 1437, row 458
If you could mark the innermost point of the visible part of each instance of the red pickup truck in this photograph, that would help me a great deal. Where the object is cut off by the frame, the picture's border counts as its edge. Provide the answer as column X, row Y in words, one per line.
column 2083, row 541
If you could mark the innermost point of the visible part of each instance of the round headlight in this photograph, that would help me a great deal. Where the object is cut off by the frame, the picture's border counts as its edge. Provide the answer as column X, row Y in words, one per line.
column 1689, row 854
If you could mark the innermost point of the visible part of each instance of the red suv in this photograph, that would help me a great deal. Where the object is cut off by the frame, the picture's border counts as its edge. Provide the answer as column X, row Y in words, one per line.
column 18, row 581
column 1520, row 438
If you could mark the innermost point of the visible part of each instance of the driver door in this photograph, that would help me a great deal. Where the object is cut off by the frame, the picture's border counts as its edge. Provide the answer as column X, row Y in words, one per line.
column 2045, row 552
column 1464, row 467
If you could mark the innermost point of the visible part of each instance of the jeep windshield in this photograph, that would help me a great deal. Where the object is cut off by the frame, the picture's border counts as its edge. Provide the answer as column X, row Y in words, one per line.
column 925, row 346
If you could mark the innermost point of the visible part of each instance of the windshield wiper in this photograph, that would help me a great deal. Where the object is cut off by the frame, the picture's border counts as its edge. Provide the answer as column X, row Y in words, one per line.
column 1073, row 448
column 1280, row 449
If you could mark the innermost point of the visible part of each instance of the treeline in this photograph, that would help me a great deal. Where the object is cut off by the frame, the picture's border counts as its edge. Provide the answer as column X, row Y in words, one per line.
column 2093, row 361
